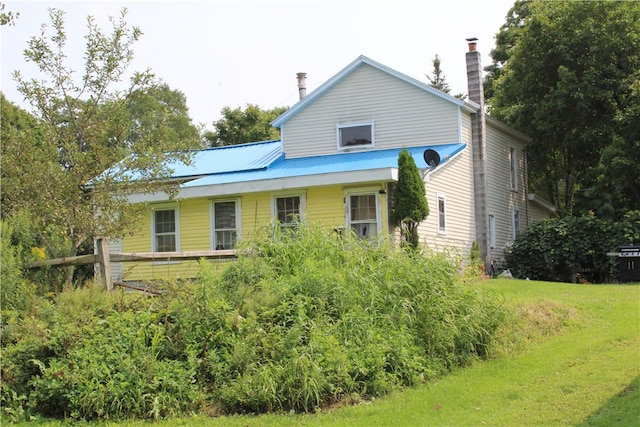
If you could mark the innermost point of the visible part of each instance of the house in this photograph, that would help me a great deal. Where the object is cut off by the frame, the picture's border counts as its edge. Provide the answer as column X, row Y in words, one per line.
column 336, row 164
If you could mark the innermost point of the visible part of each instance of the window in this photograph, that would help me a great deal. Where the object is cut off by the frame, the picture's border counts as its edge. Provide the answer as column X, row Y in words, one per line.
column 363, row 215
column 355, row 135
column 516, row 222
column 442, row 213
column 288, row 210
column 225, row 224
column 492, row 231
column 165, row 231
column 513, row 167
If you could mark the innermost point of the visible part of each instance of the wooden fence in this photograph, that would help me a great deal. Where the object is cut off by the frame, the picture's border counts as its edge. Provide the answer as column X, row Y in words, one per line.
column 104, row 259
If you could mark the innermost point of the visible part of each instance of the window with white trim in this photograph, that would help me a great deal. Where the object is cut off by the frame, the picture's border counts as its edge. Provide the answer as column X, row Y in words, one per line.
column 288, row 209
column 362, row 215
column 225, row 224
column 442, row 213
column 492, row 231
column 357, row 135
column 516, row 222
column 165, row 230
column 513, row 168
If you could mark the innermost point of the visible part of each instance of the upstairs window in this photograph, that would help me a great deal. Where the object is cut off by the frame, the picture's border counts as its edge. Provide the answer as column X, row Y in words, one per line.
column 513, row 168
column 355, row 136
column 165, row 231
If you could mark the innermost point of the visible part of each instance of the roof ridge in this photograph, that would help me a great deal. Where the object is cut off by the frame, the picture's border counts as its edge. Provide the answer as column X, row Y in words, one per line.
column 245, row 144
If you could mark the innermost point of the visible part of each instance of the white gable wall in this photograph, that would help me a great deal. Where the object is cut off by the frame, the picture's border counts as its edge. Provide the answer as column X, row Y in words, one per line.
column 455, row 182
column 403, row 115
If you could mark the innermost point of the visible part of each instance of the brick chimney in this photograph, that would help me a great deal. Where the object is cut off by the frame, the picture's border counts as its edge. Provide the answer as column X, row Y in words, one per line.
column 479, row 148
column 302, row 84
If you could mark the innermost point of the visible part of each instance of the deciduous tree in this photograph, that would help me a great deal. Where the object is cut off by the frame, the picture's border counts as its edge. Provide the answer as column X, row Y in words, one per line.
column 566, row 73
column 87, row 124
column 238, row 126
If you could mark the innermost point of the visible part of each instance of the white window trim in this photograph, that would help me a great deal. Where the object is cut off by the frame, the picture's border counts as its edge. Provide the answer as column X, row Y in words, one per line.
column 355, row 147
column 492, row 231
column 513, row 168
column 303, row 203
column 164, row 207
column 367, row 191
column 515, row 212
column 212, row 222
column 441, row 196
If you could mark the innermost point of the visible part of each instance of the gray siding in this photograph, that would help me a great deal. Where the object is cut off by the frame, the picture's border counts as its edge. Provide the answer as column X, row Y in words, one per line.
column 502, row 199
column 402, row 115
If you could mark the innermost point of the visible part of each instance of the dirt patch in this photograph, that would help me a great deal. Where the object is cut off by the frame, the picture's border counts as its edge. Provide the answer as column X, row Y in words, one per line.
column 530, row 322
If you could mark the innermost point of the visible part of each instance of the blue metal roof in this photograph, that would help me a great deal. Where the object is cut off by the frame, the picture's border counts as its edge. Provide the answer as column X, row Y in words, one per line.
column 244, row 157
column 335, row 163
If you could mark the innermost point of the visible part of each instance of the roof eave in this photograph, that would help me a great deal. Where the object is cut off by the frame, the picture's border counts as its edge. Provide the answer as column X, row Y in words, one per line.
column 532, row 197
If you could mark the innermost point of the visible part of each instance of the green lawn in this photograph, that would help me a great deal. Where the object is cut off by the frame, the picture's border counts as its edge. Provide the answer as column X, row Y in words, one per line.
column 586, row 375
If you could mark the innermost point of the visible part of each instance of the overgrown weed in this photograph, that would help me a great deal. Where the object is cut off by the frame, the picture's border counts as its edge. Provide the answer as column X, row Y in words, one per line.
column 303, row 319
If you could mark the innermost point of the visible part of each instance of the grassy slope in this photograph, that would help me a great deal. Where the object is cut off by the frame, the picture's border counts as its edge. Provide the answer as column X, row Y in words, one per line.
column 587, row 375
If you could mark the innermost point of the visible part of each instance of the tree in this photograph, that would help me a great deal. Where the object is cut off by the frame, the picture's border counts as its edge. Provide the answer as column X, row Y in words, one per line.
column 86, row 128
column 158, row 104
column 506, row 40
column 7, row 18
column 239, row 126
column 439, row 81
column 569, row 80
column 410, row 204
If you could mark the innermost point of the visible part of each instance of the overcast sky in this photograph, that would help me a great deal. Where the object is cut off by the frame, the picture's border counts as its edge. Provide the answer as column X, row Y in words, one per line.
column 231, row 53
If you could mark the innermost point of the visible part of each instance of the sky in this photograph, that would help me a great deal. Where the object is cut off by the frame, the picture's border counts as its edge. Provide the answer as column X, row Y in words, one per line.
column 232, row 53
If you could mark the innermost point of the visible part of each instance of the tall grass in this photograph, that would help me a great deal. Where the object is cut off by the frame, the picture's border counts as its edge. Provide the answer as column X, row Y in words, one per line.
column 301, row 320
column 319, row 317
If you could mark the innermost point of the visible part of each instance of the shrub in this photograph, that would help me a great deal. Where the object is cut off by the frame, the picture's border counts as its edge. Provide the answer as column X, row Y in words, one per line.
column 91, row 355
column 556, row 249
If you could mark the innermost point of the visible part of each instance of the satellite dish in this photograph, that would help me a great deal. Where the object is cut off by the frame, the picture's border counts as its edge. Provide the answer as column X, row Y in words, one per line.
column 431, row 158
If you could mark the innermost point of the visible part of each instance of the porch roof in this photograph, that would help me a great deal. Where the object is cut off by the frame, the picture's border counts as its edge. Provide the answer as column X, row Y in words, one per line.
column 327, row 164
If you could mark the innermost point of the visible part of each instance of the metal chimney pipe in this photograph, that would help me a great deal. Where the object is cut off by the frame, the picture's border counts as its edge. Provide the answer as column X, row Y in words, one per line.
column 302, row 84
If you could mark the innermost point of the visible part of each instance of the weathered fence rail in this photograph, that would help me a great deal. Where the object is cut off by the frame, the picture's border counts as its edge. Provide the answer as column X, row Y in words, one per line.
column 104, row 259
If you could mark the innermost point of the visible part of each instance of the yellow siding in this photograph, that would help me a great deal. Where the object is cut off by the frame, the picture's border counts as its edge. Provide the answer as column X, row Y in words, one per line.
column 194, row 235
column 325, row 205
column 256, row 213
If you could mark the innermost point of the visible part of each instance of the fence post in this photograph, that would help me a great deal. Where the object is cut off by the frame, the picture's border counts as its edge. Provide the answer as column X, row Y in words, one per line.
column 103, row 262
